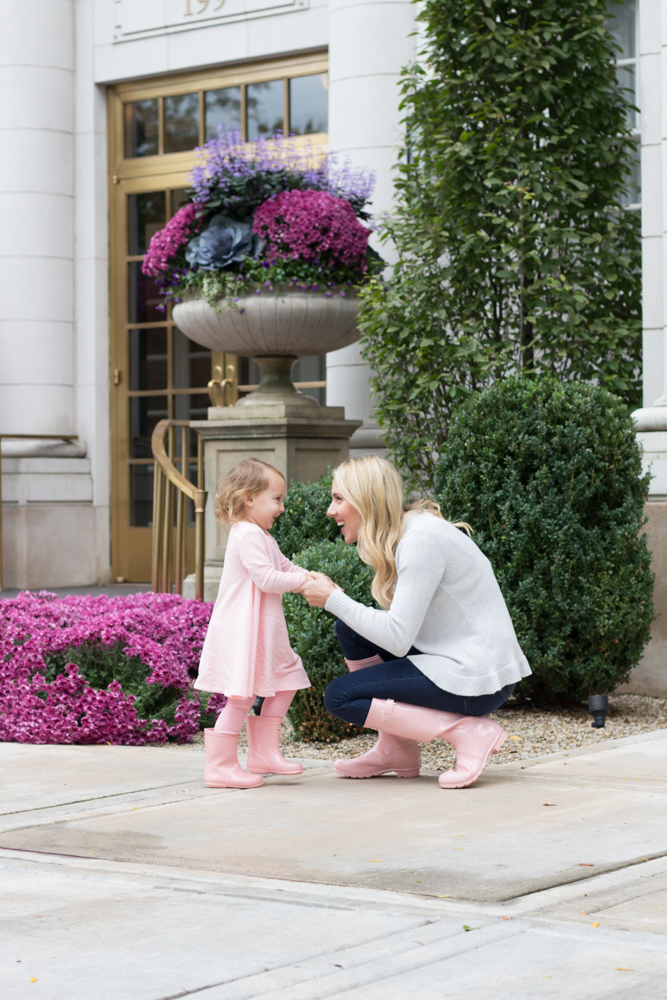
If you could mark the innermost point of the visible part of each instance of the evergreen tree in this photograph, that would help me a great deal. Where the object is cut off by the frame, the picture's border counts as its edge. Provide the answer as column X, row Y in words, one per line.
column 515, row 250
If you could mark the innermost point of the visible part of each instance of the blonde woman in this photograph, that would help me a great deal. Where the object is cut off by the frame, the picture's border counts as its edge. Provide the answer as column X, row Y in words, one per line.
column 441, row 654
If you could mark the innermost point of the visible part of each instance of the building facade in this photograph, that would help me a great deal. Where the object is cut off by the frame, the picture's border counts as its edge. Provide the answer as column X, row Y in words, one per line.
column 104, row 102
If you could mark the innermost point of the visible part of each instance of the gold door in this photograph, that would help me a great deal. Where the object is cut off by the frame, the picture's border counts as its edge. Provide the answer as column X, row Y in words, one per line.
column 156, row 371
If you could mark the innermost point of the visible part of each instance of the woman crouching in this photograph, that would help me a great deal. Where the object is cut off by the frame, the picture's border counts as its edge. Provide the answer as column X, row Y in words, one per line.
column 441, row 654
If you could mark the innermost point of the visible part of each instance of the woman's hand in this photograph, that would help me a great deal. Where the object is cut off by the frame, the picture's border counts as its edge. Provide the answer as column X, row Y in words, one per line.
column 317, row 589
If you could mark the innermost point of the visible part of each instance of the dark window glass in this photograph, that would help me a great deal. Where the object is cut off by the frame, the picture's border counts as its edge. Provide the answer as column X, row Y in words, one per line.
column 146, row 215
column 181, row 122
column 627, row 79
column 265, row 108
column 312, row 370
column 145, row 412
column 141, row 128
column 144, row 297
column 223, row 111
column 191, row 407
column 141, row 496
column 148, row 359
column 621, row 21
column 308, row 104
column 178, row 199
column 192, row 363
column 634, row 182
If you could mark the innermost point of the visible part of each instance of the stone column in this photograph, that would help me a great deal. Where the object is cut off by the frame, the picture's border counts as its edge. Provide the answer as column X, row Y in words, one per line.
column 50, row 534
column 369, row 43
column 36, row 206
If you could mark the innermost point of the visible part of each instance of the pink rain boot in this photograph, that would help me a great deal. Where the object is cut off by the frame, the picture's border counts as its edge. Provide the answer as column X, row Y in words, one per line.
column 264, row 756
column 390, row 753
column 472, row 738
column 222, row 764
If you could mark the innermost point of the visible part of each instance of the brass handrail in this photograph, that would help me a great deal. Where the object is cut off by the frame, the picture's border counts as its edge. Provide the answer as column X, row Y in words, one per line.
column 29, row 437
column 163, row 530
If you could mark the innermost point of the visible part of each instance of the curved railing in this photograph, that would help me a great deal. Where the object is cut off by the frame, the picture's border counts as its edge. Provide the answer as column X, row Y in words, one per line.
column 168, row 557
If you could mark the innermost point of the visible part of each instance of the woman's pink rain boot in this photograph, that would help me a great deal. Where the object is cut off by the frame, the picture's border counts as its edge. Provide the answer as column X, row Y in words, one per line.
column 389, row 753
column 222, row 763
column 264, row 756
column 474, row 739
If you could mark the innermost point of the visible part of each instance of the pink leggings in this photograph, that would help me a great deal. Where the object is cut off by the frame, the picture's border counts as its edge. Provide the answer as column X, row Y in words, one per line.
column 232, row 717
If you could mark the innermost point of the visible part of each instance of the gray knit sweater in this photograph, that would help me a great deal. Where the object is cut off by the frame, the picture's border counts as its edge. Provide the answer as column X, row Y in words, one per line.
column 447, row 603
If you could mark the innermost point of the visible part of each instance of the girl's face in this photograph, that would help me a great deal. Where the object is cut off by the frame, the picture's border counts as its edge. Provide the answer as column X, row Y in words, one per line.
column 263, row 508
column 347, row 517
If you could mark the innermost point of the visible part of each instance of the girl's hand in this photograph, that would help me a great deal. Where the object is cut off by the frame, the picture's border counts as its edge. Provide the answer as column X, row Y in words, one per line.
column 317, row 589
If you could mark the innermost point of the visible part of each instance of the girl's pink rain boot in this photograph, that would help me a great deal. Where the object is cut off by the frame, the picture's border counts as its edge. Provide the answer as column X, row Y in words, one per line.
column 264, row 756
column 222, row 764
column 472, row 738
column 390, row 753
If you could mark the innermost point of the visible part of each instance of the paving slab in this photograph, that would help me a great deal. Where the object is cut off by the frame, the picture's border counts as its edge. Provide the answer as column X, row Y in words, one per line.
column 73, row 928
column 520, row 829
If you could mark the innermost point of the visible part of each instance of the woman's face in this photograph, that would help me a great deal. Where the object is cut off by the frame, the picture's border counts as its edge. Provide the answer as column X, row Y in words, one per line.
column 347, row 517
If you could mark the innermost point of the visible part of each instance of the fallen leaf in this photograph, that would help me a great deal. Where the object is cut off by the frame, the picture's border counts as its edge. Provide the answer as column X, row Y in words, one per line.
column 644, row 859
column 33, row 980
column 458, row 848
column 515, row 737
column 504, row 917
column 549, row 803
column 375, row 861
column 417, row 880
column 334, row 855
column 586, row 864
column 466, row 928
column 446, row 895
column 584, row 912
column 596, row 925
column 621, row 969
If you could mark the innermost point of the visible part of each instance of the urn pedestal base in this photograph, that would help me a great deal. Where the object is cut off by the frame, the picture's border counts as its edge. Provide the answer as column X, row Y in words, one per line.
column 302, row 442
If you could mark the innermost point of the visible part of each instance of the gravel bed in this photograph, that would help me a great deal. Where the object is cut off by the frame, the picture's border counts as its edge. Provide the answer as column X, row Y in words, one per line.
column 533, row 732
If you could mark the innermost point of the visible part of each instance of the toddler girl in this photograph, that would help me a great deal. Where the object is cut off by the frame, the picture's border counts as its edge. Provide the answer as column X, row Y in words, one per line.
column 246, row 651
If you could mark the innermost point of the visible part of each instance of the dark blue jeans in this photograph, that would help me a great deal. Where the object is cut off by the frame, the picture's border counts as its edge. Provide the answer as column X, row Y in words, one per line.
column 349, row 697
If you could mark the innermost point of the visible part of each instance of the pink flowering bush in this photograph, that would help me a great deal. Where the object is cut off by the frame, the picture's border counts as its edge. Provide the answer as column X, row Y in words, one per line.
column 101, row 669
column 312, row 226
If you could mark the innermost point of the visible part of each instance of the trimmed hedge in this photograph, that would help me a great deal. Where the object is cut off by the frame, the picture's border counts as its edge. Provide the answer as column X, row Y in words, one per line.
column 313, row 636
column 305, row 520
column 548, row 474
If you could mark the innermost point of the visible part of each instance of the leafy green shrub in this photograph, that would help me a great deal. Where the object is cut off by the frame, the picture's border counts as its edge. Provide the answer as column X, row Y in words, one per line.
column 312, row 634
column 305, row 519
column 514, row 250
column 549, row 476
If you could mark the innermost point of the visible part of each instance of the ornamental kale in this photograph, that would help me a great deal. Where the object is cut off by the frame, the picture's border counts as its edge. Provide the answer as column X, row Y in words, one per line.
column 101, row 669
column 224, row 242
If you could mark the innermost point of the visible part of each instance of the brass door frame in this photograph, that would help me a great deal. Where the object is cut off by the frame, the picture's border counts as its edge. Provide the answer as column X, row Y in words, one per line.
column 150, row 173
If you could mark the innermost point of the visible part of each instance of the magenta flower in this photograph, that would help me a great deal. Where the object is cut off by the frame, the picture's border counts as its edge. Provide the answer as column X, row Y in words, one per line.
column 312, row 225
column 166, row 243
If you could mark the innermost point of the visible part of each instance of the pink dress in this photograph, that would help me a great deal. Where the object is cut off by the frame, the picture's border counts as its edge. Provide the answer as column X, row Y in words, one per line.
column 246, row 651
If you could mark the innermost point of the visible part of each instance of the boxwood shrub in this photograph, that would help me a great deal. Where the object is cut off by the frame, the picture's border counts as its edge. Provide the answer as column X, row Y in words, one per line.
column 313, row 636
column 305, row 519
column 548, row 474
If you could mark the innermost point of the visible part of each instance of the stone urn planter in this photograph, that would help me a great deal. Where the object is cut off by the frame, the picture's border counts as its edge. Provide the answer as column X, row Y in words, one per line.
column 275, row 329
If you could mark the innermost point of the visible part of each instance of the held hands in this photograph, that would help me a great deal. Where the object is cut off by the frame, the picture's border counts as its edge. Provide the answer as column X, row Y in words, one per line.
column 317, row 589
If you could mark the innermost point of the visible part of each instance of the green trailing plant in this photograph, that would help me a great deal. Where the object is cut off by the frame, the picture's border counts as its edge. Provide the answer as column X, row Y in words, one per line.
column 312, row 634
column 305, row 519
column 515, row 252
column 549, row 476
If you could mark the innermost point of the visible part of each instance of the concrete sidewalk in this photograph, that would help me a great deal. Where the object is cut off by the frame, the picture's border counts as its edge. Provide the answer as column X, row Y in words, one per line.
column 125, row 878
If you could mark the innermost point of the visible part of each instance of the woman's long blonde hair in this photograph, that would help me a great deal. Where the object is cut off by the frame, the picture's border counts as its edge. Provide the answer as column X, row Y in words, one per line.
column 375, row 489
